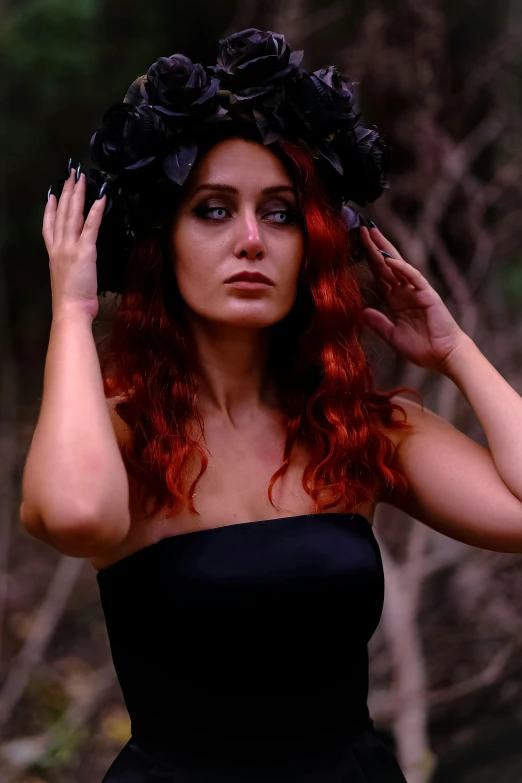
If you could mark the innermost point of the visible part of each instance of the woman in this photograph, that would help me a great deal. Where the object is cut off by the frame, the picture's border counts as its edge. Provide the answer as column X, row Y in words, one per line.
column 234, row 367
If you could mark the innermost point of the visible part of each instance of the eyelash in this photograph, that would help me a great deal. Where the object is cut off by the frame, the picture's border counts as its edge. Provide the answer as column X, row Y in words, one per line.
column 292, row 216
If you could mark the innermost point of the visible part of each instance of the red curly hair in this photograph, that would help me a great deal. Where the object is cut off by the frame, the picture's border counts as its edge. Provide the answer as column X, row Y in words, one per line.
column 325, row 381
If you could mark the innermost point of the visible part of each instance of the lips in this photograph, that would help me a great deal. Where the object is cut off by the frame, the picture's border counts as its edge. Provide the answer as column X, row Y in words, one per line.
column 250, row 277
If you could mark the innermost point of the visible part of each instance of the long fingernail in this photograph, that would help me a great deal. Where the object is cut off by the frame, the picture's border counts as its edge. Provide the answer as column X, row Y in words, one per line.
column 78, row 172
column 372, row 224
column 385, row 254
column 49, row 193
column 69, row 164
column 102, row 190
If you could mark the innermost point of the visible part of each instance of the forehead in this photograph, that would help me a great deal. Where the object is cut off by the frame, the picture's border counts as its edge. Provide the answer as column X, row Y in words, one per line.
column 240, row 162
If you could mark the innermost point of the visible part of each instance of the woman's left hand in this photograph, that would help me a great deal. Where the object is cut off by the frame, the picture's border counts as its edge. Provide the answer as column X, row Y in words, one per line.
column 422, row 330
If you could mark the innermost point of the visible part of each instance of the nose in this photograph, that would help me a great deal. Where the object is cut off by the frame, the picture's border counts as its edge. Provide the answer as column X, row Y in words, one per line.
column 249, row 243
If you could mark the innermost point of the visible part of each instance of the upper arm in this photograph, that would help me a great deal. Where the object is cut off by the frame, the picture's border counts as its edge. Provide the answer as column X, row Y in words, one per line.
column 453, row 484
column 30, row 517
column 76, row 538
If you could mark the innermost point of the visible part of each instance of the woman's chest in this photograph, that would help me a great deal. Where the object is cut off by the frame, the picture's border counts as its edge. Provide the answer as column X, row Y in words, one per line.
column 233, row 489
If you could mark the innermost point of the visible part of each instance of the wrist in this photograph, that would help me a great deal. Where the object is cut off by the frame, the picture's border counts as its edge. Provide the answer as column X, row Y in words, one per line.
column 71, row 310
column 453, row 361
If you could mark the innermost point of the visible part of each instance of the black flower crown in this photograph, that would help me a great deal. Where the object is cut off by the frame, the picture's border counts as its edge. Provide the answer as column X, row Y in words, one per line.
column 147, row 145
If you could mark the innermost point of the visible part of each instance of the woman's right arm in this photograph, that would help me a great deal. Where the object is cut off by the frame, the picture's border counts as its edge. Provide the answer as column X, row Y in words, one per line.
column 75, row 487
column 75, row 490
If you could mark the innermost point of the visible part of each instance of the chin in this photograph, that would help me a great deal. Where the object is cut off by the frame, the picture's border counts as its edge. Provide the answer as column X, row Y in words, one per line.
column 244, row 315
column 248, row 315
column 258, row 321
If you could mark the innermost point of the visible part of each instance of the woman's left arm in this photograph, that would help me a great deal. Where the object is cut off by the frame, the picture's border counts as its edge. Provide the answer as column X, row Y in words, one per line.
column 497, row 406
column 454, row 484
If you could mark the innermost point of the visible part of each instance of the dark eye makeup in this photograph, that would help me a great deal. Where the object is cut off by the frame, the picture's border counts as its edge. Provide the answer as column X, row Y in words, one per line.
column 292, row 215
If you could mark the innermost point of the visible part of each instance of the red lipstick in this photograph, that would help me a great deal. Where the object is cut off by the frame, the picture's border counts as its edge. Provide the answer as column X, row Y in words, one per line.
column 250, row 277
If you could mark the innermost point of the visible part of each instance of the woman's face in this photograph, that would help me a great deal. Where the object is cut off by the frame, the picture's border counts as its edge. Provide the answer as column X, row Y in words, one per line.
column 237, row 214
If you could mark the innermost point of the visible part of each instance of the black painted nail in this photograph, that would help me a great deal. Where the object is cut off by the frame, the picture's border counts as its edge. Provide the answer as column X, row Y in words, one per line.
column 102, row 190
column 386, row 254
column 372, row 224
column 49, row 193
column 69, row 165
column 78, row 172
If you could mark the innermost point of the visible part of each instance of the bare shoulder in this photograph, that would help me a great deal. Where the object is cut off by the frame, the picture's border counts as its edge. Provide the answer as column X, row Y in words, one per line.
column 453, row 485
column 414, row 413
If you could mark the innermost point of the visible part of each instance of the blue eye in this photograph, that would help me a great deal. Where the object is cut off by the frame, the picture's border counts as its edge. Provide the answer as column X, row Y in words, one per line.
column 290, row 215
column 203, row 212
column 282, row 212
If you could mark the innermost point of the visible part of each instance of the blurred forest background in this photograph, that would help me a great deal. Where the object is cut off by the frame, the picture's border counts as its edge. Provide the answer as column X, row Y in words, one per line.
column 442, row 79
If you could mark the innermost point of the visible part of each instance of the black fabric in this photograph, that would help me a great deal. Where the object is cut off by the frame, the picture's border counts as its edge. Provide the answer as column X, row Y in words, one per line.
column 241, row 652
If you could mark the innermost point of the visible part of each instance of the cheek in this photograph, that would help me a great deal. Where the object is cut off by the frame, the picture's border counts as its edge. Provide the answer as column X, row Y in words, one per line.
column 192, row 260
column 194, row 282
column 292, row 259
column 296, row 253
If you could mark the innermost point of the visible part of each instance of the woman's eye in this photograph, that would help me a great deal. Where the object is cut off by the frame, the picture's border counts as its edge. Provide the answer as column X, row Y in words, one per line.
column 287, row 216
column 282, row 216
column 203, row 211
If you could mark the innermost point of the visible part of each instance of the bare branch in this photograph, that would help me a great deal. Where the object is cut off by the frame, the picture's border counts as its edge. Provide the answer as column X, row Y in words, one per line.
column 48, row 616
column 486, row 677
column 23, row 752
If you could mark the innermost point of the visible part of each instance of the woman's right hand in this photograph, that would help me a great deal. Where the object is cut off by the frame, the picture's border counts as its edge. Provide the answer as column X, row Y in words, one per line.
column 71, row 244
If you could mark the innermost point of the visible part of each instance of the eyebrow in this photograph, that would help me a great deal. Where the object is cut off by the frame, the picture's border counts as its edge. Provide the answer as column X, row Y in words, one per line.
column 222, row 188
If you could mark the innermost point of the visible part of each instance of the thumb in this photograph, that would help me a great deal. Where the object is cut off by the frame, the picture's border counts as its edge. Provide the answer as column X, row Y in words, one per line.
column 378, row 322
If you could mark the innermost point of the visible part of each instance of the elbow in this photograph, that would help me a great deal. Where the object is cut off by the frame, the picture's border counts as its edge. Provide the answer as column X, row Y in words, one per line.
column 83, row 540
column 84, row 537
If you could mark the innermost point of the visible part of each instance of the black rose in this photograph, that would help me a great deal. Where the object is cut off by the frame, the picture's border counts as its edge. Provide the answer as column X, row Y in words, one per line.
column 137, row 94
column 351, row 218
column 340, row 85
column 249, row 62
column 365, row 157
column 130, row 137
column 318, row 108
column 179, row 88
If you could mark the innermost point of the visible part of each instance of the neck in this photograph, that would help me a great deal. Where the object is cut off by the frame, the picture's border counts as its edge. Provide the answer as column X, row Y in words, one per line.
column 235, row 382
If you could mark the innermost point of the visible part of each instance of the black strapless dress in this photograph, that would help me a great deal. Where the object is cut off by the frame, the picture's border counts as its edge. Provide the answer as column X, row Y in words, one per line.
column 242, row 656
